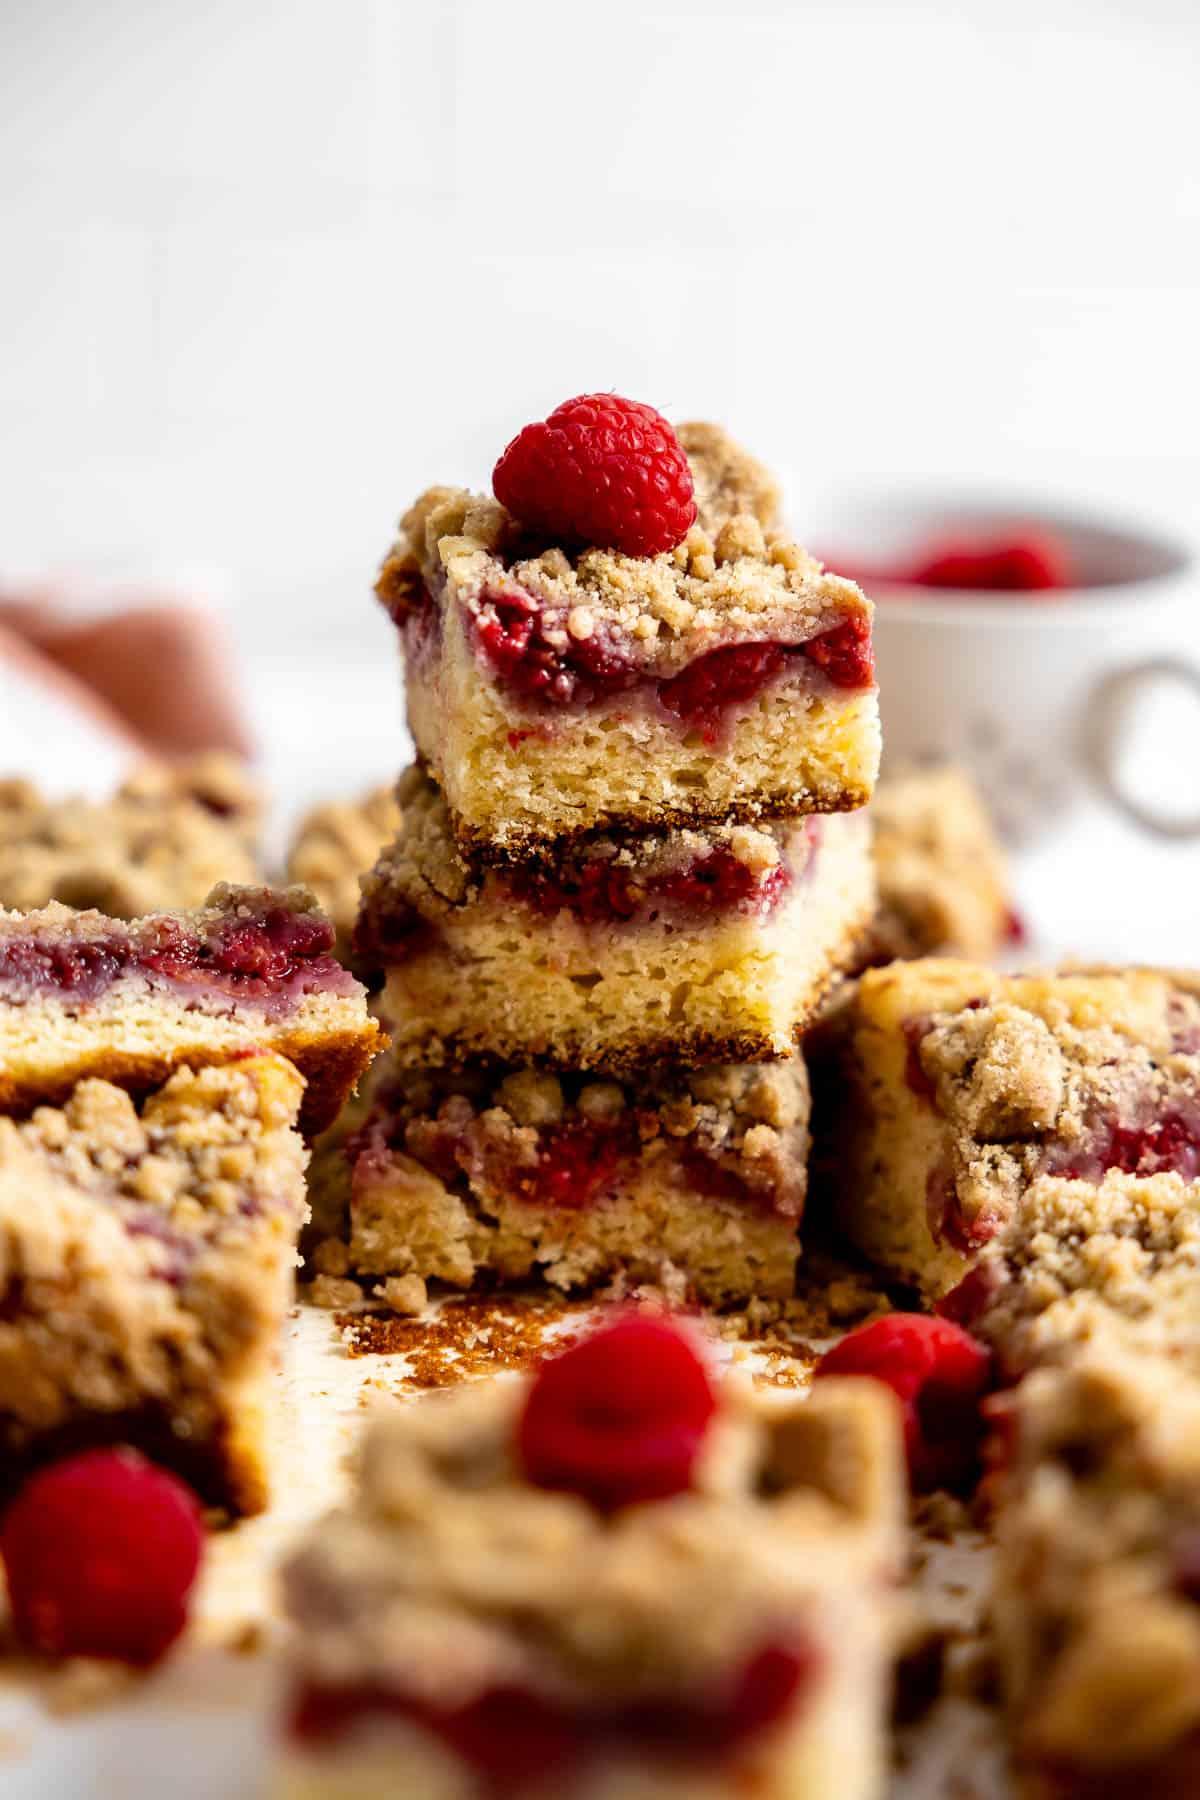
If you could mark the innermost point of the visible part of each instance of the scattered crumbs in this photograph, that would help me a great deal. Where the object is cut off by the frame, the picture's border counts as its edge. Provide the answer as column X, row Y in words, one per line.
column 464, row 1340
column 247, row 1639
column 940, row 1516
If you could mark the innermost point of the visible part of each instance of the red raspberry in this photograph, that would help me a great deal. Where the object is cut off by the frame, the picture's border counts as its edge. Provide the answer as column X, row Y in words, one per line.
column 845, row 653
column 700, row 693
column 940, row 1375
column 619, row 1418
column 100, row 1552
column 600, row 470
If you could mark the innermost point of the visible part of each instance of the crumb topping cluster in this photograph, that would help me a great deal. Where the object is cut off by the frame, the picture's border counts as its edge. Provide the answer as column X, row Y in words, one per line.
column 1069, row 1075
column 448, row 1545
column 206, row 1152
column 163, row 840
column 425, row 867
column 335, row 843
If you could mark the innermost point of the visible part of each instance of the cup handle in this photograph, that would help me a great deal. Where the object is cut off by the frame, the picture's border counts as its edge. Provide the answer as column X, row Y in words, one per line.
column 1107, row 706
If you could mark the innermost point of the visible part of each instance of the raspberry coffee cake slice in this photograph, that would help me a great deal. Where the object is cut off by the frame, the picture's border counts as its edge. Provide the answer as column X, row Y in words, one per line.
column 953, row 1089
column 82, row 994
column 693, row 1183
column 555, row 690
column 685, row 946
column 943, row 885
column 620, row 1579
column 1096, row 1607
column 146, row 1265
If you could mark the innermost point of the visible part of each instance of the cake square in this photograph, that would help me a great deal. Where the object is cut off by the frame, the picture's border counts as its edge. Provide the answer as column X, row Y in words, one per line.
column 465, row 1628
column 1096, row 1605
column 688, row 946
column 147, row 1256
column 943, row 881
column 555, row 694
column 952, row 1088
column 83, row 995
column 691, row 1183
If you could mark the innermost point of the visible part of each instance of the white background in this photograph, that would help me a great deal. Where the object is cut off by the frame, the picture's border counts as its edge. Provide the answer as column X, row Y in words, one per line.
column 270, row 266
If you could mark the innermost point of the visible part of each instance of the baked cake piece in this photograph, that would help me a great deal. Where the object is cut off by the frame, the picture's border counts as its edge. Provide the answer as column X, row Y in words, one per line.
column 943, row 884
column 82, row 994
column 146, row 1264
column 957, row 1087
column 163, row 840
column 550, row 694
column 334, row 845
column 693, row 1183
column 693, row 946
column 1117, row 1259
column 618, row 1580
column 1097, row 1587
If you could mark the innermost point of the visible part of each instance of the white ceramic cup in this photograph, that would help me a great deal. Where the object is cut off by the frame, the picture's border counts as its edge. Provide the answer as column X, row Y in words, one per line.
column 1034, row 693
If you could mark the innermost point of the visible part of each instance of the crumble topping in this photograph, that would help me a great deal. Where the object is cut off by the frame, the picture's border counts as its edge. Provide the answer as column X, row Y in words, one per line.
column 1096, row 1584
column 943, row 884
column 1044, row 1074
column 729, row 579
column 425, row 867
column 729, row 482
column 1077, row 1262
column 163, row 839
column 450, row 1575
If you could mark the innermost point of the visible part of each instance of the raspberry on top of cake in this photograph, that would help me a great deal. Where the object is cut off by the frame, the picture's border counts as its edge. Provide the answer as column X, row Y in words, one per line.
column 560, row 683
column 620, row 1564
column 958, row 1087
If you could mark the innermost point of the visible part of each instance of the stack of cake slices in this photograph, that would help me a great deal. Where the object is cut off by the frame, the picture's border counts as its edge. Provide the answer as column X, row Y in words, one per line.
column 630, row 866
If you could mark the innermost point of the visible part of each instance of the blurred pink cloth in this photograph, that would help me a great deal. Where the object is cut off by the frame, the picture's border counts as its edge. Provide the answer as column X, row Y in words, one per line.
column 155, row 675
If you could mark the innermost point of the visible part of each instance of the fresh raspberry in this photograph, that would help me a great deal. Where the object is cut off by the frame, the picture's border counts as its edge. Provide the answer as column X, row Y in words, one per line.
column 845, row 654
column 600, row 470
column 700, row 693
column 940, row 1375
column 101, row 1552
column 619, row 1418
column 1030, row 563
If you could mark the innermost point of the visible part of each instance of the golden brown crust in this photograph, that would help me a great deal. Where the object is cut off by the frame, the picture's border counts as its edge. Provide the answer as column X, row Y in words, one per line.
column 525, row 843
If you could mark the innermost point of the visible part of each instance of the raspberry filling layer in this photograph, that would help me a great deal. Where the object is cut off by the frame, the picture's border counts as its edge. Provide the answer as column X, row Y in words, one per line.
column 554, row 669
column 605, row 892
column 1170, row 1145
column 273, row 960
column 512, row 1737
